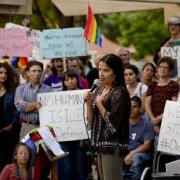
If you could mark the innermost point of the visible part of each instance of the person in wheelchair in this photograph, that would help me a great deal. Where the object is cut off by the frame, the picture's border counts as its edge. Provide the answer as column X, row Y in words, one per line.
column 141, row 137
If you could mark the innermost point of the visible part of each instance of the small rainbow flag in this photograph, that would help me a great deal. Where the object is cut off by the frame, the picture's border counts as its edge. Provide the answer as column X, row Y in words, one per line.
column 19, row 62
column 92, row 32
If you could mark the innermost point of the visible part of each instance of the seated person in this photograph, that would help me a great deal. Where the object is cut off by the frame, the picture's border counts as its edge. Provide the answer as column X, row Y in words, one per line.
column 21, row 168
column 141, row 137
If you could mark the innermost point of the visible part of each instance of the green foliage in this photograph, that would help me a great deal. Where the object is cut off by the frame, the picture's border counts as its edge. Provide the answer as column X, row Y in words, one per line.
column 144, row 30
column 44, row 16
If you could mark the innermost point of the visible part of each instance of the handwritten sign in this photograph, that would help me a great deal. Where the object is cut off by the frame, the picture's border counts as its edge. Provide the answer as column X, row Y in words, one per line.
column 64, row 112
column 174, row 53
column 14, row 42
column 63, row 43
column 33, row 37
column 169, row 138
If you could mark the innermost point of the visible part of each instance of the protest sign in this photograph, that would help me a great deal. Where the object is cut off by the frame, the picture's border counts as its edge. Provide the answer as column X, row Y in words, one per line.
column 33, row 37
column 69, row 42
column 169, row 138
column 14, row 42
column 174, row 53
column 64, row 112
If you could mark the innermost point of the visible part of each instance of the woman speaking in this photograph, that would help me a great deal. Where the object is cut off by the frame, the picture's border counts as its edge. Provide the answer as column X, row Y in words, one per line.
column 108, row 110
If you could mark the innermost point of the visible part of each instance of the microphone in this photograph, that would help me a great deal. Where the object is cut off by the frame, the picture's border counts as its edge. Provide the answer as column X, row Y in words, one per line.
column 96, row 83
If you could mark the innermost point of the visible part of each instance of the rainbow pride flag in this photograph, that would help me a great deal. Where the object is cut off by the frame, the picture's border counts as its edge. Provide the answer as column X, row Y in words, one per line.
column 92, row 32
column 19, row 62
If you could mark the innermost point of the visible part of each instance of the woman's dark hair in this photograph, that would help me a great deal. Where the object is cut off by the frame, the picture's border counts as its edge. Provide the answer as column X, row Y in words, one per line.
column 134, row 69
column 136, row 99
column 149, row 64
column 34, row 63
column 71, row 73
column 12, row 79
column 115, row 63
column 168, row 60
column 29, row 163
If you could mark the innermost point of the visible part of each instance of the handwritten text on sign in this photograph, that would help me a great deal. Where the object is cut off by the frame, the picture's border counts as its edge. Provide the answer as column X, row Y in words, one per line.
column 169, row 138
column 174, row 53
column 14, row 42
column 33, row 37
column 67, row 42
column 64, row 112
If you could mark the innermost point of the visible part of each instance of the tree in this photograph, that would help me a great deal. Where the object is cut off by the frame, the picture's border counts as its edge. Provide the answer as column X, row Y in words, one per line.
column 144, row 30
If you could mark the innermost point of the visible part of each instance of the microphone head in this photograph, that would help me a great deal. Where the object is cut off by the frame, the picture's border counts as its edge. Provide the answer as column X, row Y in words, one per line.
column 97, row 82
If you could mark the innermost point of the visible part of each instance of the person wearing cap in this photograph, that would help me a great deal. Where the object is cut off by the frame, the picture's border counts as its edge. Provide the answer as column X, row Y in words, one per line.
column 174, row 29
column 174, row 39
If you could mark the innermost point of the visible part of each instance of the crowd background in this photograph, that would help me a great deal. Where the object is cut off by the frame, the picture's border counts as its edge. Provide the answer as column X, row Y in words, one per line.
column 152, row 84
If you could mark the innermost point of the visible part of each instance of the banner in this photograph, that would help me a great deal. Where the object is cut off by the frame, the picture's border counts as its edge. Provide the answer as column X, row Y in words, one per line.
column 169, row 138
column 64, row 112
column 63, row 43
column 14, row 42
column 33, row 37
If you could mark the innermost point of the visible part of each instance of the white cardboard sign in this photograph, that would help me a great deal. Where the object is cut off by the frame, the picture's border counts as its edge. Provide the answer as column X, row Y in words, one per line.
column 169, row 138
column 64, row 112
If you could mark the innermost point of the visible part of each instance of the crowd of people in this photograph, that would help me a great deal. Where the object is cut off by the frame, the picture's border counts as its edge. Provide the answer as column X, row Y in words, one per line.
column 124, row 113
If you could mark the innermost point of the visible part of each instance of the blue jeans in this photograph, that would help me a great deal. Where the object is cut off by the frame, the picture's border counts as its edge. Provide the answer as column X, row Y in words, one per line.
column 71, row 167
column 134, row 171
